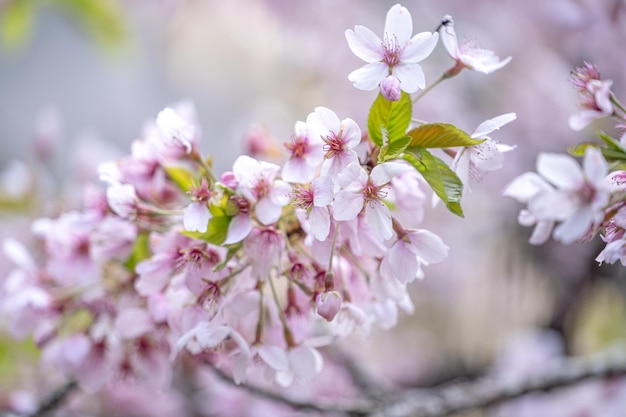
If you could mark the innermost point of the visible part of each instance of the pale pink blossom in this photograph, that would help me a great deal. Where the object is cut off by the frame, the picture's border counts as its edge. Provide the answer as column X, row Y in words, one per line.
column 468, row 54
column 306, row 155
column 176, row 133
column 340, row 138
column 578, row 199
column 196, row 215
column 404, row 259
column 258, row 184
column 264, row 248
column 396, row 55
column 472, row 163
column 361, row 190
column 315, row 200
column 123, row 200
column 595, row 104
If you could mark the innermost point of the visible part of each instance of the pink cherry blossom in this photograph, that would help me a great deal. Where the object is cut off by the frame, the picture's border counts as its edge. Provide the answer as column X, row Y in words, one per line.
column 340, row 138
column 468, row 54
column 362, row 190
column 197, row 214
column 315, row 200
column 472, row 163
column 328, row 304
column 577, row 199
column 306, row 155
column 396, row 55
column 176, row 133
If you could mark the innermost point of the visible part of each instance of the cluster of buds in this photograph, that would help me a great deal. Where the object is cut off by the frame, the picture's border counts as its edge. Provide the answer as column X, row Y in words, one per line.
column 574, row 203
column 264, row 264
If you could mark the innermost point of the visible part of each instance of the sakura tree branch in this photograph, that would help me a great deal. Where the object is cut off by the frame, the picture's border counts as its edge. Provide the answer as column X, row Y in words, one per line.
column 360, row 377
column 487, row 392
column 355, row 408
column 54, row 400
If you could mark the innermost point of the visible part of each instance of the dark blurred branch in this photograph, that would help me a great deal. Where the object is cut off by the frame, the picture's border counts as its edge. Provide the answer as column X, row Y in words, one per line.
column 487, row 392
column 54, row 400
column 360, row 408
column 363, row 380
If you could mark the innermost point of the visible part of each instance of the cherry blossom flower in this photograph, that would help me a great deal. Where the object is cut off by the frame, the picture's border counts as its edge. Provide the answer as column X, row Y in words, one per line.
column 523, row 189
column 197, row 214
column 474, row 162
column 468, row 54
column 315, row 200
column 579, row 199
column 328, row 304
column 176, row 133
column 307, row 154
column 361, row 190
column 404, row 259
column 340, row 138
column 397, row 54
column 258, row 184
column 594, row 95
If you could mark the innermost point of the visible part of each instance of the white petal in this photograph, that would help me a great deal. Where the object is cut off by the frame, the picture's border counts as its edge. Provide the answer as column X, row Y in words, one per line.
column 322, row 188
column 196, row 217
column 542, row 232
column 561, row 170
column 347, row 205
column 411, row 77
column 595, row 166
column 274, row 357
column 399, row 23
column 306, row 362
column 239, row 227
column 402, row 262
column 429, row 246
column 133, row 322
column 379, row 219
column 364, row 44
column 419, row 47
column 212, row 336
column 319, row 220
column 575, row 227
column 490, row 125
column 524, row 187
column 383, row 173
column 369, row 76
column 266, row 211
column 553, row 205
column 448, row 37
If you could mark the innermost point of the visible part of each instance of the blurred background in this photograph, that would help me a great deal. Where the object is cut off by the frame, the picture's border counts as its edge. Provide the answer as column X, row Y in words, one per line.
column 79, row 78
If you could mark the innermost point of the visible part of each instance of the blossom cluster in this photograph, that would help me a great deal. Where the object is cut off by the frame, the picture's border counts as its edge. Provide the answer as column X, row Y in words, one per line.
column 571, row 202
column 259, row 266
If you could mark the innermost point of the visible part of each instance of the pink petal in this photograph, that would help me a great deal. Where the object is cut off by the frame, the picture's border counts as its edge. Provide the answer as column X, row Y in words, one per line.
column 379, row 219
column 347, row 205
column 322, row 188
column 428, row 246
column 490, row 125
column 448, row 38
column 595, row 166
column 384, row 173
column 323, row 120
column 297, row 170
column 266, row 211
column 319, row 220
column 133, row 322
column 524, row 187
column 402, row 262
column 575, row 227
column 239, row 227
column 561, row 170
column 274, row 357
column 306, row 362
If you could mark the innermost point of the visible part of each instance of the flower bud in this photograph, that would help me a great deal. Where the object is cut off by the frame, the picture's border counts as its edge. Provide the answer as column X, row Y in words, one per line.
column 390, row 88
column 328, row 304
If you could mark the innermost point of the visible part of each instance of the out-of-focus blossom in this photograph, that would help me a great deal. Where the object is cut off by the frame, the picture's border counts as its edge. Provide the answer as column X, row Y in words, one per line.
column 594, row 95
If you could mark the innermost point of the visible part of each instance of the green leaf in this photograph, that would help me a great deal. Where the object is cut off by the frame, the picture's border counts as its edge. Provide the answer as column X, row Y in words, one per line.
column 141, row 251
column 16, row 22
column 217, row 230
column 104, row 20
column 444, row 182
column 610, row 153
column 182, row 177
column 440, row 135
column 611, row 143
column 394, row 116
column 393, row 150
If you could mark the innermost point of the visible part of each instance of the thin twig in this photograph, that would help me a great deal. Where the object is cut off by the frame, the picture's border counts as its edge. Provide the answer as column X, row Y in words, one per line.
column 360, row 408
column 359, row 376
column 54, row 400
column 487, row 392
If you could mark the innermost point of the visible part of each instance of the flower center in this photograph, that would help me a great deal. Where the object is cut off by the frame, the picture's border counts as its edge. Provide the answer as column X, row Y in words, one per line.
column 334, row 145
column 298, row 147
column 302, row 198
column 372, row 192
column 391, row 51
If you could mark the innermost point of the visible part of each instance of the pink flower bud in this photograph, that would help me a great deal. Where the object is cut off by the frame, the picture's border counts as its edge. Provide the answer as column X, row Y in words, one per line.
column 390, row 88
column 328, row 304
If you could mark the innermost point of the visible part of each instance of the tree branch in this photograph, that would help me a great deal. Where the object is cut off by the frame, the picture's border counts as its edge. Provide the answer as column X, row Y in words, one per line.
column 487, row 392
column 356, row 408
column 54, row 400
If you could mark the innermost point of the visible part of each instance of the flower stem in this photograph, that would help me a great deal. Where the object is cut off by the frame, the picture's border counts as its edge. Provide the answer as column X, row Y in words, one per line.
column 438, row 81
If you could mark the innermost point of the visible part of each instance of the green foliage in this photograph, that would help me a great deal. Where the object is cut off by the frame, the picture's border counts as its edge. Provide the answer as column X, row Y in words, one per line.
column 103, row 20
column 444, row 182
column 613, row 152
column 217, row 228
column 393, row 117
column 181, row 176
column 141, row 251
column 16, row 22
column 440, row 135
